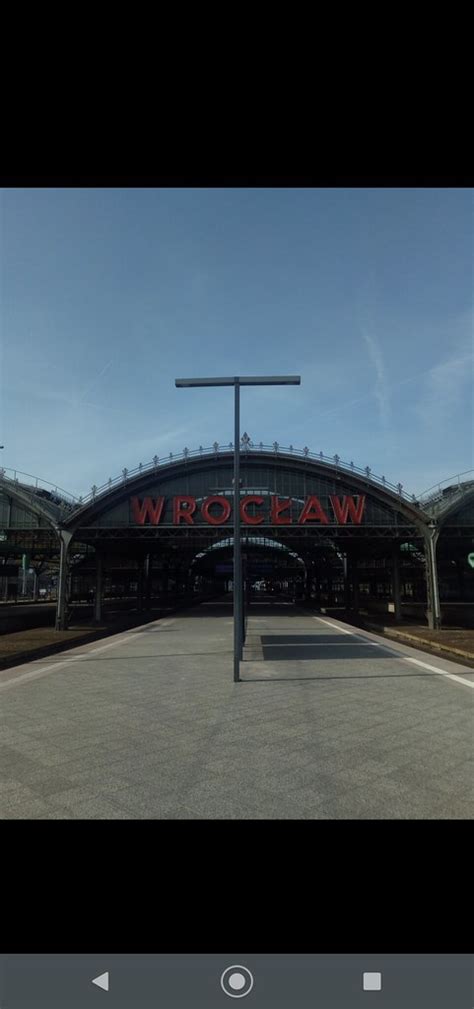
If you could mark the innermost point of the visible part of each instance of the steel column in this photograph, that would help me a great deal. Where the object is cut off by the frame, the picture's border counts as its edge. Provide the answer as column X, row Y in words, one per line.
column 148, row 573
column 396, row 589
column 347, row 587
column 98, row 588
column 65, row 538
column 355, row 583
column 140, row 585
column 434, row 609
column 436, row 603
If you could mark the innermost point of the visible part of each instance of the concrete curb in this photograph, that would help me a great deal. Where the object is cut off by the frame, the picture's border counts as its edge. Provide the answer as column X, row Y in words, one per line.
column 42, row 652
column 404, row 636
column 395, row 633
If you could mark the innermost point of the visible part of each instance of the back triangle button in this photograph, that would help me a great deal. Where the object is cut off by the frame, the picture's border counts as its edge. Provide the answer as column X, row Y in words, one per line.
column 102, row 981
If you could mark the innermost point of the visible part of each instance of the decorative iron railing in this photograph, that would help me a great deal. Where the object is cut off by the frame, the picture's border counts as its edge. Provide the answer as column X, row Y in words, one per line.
column 447, row 489
column 58, row 495
column 247, row 446
column 62, row 497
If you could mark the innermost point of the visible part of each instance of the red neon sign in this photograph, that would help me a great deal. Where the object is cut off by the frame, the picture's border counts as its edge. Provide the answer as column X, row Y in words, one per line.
column 341, row 510
column 251, row 520
column 180, row 512
column 313, row 512
column 216, row 520
column 185, row 506
column 147, row 509
column 277, row 508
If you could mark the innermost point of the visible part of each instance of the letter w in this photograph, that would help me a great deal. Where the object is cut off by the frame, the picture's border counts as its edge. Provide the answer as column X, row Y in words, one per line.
column 147, row 509
column 347, row 507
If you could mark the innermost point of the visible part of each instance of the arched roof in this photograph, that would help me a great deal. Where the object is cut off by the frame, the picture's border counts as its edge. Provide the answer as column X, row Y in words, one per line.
column 457, row 502
column 58, row 508
column 35, row 500
column 189, row 464
column 441, row 496
column 248, row 538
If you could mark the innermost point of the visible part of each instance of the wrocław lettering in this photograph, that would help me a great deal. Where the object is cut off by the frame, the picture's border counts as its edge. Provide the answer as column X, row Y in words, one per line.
column 254, row 510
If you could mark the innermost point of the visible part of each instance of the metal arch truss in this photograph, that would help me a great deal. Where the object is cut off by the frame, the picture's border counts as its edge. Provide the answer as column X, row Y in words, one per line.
column 282, row 533
column 248, row 450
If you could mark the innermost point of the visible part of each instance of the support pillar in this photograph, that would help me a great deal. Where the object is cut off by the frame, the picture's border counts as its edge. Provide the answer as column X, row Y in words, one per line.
column 318, row 589
column 65, row 538
column 175, row 576
column 148, row 574
column 35, row 586
column 140, row 585
column 347, row 587
column 396, row 589
column 99, row 578
column 434, row 609
column 355, row 585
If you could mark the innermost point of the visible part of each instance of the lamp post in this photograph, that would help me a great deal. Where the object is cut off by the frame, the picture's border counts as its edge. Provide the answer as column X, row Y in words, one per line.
column 237, row 381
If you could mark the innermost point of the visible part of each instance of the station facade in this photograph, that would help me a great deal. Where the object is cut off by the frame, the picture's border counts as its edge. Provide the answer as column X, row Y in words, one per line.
column 323, row 531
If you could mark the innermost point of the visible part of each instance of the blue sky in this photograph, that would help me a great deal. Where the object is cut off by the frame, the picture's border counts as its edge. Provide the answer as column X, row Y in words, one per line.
column 107, row 295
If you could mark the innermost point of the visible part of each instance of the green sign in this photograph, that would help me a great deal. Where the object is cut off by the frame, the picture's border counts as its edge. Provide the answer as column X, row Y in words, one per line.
column 470, row 560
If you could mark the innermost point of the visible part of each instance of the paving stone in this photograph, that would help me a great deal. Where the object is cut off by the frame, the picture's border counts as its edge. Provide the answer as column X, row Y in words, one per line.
column 158, row 729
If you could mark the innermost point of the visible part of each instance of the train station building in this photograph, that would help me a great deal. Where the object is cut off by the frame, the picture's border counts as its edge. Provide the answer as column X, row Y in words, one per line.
column 325, row 532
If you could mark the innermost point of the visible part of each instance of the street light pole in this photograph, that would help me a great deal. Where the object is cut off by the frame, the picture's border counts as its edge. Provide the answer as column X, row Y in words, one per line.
column 237, row 381
column 237, row 580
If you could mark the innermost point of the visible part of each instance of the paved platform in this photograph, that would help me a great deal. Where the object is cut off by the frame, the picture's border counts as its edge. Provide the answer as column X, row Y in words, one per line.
column 328, row 722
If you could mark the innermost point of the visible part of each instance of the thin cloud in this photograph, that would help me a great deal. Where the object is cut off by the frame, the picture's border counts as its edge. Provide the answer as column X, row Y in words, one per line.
column 52, row 396
column 440, row 378
column 366, row 312
column 382, row 388
column 93, row 383
column 444, row 390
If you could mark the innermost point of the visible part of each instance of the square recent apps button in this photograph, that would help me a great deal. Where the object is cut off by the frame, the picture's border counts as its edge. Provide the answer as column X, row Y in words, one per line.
column 372, row 981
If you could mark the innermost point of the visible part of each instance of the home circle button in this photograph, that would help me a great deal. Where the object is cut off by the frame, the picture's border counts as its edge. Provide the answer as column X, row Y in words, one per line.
column 237, row 981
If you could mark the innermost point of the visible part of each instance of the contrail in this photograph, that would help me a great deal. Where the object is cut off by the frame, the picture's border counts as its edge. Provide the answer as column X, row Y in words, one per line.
column 95, row 380
column 381, row 385
column 396, row 385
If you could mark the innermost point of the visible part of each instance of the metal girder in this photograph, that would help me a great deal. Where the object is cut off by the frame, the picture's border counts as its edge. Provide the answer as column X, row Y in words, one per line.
column 193, row 539
column 456, row 532
column 183, row 533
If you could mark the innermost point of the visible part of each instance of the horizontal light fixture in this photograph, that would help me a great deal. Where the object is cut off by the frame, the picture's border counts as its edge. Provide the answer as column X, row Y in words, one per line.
column 240, row 380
